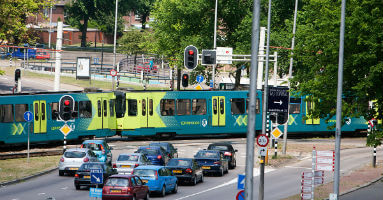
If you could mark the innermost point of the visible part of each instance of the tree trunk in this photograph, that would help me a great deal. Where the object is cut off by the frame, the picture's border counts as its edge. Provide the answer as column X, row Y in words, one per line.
column 237, row 77
column 143, row 21
column 84, row 31
column 178, row 79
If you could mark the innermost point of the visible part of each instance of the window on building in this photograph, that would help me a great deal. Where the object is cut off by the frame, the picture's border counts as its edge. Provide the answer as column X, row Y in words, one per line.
column 237, row 106
column 199, row 107
column 183, row 106
column 167, row 107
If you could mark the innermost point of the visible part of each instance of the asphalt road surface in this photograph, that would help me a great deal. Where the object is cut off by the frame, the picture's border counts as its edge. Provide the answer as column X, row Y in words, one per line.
column 279, row 183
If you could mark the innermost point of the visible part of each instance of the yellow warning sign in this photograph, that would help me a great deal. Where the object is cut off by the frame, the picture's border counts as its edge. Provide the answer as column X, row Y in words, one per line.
column 198, row 87
column 276, row 133
column 65, row 129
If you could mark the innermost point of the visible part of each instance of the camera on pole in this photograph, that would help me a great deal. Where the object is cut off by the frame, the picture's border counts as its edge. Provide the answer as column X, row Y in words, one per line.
column 209, row 57
column 66, row 108
column 191, row 57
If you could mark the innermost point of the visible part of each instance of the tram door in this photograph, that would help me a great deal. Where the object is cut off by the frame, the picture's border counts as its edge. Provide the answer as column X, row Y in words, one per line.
column 311, row 105
column 146, row 112
column 218, row 111
column 40, row 117
column 102, row 113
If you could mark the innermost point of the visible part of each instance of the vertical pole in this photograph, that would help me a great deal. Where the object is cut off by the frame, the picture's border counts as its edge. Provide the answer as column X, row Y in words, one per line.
column 276, row 147
column 261, row 178
column 339, row 102
column 58, row 56
column 374, row 158
column 50, row 28
column 28, row 143
column 262, row 58
column 114, row 45
column 102, row 55
column 313, row 173
column 275, row 68
column 290, row 75
column 253, row 96
column 215, row 38
column 64, row 148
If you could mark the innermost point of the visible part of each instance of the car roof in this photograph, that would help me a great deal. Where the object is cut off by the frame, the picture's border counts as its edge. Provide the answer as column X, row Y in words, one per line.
column 149, row 147
column 220, row 144
column 129, row 154
column 122, row 176
column 182, row 159
column 154, row 167
column 165, row 143
column 77, row 149
column 93, row 141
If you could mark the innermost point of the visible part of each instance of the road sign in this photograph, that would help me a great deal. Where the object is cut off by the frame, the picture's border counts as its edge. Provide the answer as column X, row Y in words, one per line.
column 278, row 99
column 325, row 160
column 262, row 140
column 209, row 57
column 95, row 192
column 113, row 72
column 262, row 151
column 308, row 182
column 241, row 195
column 306, row 196
column 96, row 176
column 198, row 87
column 318, row 173
column 65, row 129
column 199, row 78
column 211, row 84
column 28, row 116
column 276, row 132
column 224, row 55
column 325, row 153
column 324, row 167
column 241, row 182
column 306, row 189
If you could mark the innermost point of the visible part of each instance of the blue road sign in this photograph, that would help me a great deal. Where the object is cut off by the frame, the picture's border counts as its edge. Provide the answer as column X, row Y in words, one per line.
column 241, row 182
column 241, row 195
column 96, row 60
column 95, row 192
column 211, row 83
column 28, row 116
column 96, row 176
column 199, row 78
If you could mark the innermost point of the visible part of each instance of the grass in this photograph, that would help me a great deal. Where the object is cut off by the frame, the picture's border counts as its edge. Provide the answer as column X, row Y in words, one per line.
column 12, row 169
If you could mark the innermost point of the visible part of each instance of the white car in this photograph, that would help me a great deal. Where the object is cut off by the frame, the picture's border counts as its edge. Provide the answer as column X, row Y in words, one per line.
column 72, row 159
column 126, row 163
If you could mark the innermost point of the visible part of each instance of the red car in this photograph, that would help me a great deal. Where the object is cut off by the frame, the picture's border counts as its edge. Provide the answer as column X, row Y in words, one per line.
column 42, row 55
column 121, row 186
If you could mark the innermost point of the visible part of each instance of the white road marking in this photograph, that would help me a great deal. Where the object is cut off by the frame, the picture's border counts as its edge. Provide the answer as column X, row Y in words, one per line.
column 298, row 167
column 64, row 188
column 233, row 181
column 42, row 193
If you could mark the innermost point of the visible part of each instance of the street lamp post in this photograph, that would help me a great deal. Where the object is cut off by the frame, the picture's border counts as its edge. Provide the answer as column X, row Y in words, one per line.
column 114, row 46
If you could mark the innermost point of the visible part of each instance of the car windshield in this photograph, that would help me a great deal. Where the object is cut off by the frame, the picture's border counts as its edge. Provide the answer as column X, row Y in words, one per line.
column 216, row 147
column 122, row 182
column 179, row 162
column 149, row 152
column 207, row 154
column 160, row 145
column 128, row 158
column 145, row 172
column 74, row 154
column 88, row 166
column 92, row 146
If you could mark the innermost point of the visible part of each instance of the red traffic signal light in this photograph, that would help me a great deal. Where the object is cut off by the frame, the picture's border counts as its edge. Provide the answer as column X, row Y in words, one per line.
column 66, row 102
column 191, row 52
column 190, row 57
column 185, row 80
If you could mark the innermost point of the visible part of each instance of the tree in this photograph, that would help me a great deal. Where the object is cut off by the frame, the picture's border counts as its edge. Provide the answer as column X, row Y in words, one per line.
column 13, row 16
column 133, row 42
column 317, row 54
column 141, row 8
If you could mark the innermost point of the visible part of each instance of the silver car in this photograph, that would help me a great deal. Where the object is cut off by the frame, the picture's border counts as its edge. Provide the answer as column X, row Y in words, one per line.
column 72, row 159
column 127, row 162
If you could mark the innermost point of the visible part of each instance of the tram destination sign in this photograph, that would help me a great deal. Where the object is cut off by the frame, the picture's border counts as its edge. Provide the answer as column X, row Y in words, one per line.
column 278, row 99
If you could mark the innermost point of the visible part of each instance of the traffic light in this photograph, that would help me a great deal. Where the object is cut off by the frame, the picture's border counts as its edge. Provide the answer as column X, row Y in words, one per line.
column 66, row 109
column 17, row 74
column 191, row 57
column 282, row 118
column 185, row 80
column 209, row 57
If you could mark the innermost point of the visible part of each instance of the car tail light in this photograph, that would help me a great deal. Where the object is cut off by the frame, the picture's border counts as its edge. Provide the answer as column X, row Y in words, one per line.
column 86, row 159
column 159, row 156
column 136, row 165
column 169, row 155
column 227, row 154
column 62, row 159
column 76, row 175
column 188, row 170
column 130, row 190
column 156, row 175
column 217, row 162
column 114, row 165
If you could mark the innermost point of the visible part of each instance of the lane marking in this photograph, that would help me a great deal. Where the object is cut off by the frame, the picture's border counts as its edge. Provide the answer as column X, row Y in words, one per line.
column 298, row 167
column 233, row 181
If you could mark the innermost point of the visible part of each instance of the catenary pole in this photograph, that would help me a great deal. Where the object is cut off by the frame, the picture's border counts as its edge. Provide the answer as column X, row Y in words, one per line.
column 290, row 76
column 215, row 38
column 339, row 101
column 253, row 95
column 114, row 45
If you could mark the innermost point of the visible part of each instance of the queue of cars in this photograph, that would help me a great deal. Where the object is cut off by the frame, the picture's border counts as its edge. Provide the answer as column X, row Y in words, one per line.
column 155, row 168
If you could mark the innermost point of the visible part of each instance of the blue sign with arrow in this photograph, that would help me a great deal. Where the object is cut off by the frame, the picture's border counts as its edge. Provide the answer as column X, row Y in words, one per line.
column 199, row 78
column 241, row 182
column 96, row 176
column 28, row 116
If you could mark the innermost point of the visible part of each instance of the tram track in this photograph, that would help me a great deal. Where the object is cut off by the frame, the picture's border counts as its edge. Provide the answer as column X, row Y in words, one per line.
column 4, row 156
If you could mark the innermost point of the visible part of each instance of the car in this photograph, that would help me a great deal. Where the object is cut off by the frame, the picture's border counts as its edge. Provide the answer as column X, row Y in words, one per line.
column 82, row 176
column 212, row 162
column 172, row 152
column 72, row 159
column 122, row 186
column 42, row 55
column 125, row 163
column 228, row 152
column 159, row 179
column 101, row 148
column 157, row 155
column 186, row 169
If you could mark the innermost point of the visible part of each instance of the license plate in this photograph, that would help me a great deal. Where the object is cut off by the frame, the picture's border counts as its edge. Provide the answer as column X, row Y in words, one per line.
column 145, row 181
column 177, row 171
column 205, row 167
column 115, row 191
column 125, row 166
column 73, row 168
column 86, row 176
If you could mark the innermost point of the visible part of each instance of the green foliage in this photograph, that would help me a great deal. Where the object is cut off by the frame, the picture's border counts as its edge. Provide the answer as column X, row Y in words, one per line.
column 375, row 137
column 134, row 42
column 142, row 8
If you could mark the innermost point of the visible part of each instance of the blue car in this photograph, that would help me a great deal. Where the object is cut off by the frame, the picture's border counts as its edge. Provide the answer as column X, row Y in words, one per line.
column 156, row 154
column 169, row 148
column 100, row 148
column 212, row 161
column 158, row 178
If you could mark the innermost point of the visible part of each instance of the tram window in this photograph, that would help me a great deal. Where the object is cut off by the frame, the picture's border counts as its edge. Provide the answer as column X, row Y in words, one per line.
column 215, row 106
column 105, row 108
column 143, row 107
column 37, row 110
column 85, row 109
column 42, row 111
column 151, row 107
column 132, row 107
column 257, row 108
column 183, row 106
column 237, row 106
column 222, row 106
column 20, row 109
column 295, row 108
column 55, row 109
column 6, row 113
column 99, row 108
column 199, row 106
column 295, row 100
column 167, row 107
column 111, row 107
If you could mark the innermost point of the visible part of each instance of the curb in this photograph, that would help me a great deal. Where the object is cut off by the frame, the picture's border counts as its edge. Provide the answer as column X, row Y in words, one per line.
column 27, row 178
column 363, row 186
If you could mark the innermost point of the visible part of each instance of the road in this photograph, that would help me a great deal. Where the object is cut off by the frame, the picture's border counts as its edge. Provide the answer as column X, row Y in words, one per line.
column 279, row 183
